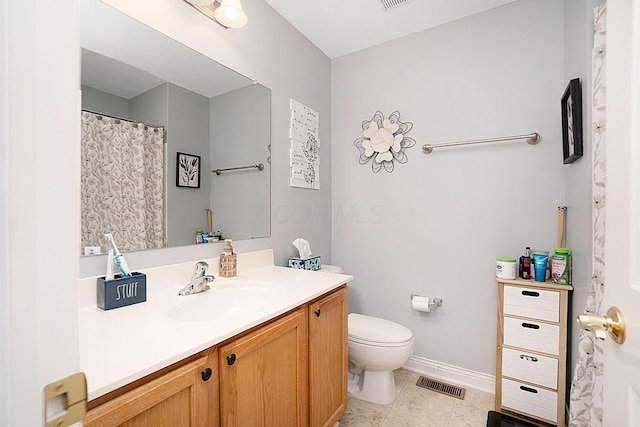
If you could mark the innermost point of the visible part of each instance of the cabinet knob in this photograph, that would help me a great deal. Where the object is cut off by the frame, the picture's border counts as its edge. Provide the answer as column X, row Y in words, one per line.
column 206, row 374
column 231, row 359
column 317, row 313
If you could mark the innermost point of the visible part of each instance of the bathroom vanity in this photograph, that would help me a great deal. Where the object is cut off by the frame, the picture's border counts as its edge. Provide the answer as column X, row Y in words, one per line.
column 284, row 363
column 531, row 351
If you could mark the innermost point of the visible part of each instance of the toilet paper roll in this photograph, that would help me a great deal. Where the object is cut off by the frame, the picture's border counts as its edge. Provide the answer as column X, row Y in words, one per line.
column 420, row 304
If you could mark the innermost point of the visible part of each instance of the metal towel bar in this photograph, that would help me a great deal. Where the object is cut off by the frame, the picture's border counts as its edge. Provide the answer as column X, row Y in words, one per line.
column 258, row 166
column 532, row 139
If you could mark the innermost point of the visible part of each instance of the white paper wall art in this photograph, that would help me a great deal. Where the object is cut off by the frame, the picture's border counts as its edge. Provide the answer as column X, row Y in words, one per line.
column 305, row 147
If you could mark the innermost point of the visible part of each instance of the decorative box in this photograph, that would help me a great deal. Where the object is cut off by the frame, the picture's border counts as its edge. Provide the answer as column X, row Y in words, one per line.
column 311, row 263
column 121, row 291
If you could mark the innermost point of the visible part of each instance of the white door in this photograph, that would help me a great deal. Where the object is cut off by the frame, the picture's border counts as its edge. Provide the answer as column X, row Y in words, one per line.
column 39, row 203
column 622, row 247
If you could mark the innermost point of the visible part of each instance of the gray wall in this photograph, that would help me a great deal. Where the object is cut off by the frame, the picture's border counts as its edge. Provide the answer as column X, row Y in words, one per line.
column 240, row 199
column 188, row 131
column 435, row 225
column 98, row 101
column 291, row 67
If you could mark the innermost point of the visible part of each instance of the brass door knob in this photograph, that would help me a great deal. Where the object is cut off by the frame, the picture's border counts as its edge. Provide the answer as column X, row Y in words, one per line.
column 613, row 323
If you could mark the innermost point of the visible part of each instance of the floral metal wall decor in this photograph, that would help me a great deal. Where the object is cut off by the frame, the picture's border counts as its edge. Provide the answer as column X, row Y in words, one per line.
column 384, row 141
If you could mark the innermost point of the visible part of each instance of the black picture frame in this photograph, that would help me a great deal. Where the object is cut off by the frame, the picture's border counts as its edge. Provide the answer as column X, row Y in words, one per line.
column 571, row 107
column 187, row 170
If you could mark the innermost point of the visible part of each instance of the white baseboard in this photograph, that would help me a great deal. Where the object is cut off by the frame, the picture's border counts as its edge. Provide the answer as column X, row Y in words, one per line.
column 451, row 374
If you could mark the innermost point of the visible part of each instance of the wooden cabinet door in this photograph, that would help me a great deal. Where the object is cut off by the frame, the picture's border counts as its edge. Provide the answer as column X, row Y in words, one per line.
column 263, row 375
column 328, row 358
column 179, row 398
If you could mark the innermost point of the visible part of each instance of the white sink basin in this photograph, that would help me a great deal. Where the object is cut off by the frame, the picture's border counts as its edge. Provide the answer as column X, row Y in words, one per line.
column 226, row 299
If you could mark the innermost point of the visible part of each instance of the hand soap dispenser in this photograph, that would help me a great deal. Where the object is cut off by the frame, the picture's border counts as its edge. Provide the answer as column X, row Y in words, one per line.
column 228, row 260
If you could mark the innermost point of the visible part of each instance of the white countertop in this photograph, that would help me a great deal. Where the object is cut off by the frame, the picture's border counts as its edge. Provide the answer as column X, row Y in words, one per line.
column 122, row 345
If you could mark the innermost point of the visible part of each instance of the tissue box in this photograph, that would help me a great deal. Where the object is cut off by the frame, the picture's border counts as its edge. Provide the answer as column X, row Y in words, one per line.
column 121, row 291
column 311, row 263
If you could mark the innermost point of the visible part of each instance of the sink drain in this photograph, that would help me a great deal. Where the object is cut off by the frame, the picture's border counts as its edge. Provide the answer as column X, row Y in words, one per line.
column 440, row 387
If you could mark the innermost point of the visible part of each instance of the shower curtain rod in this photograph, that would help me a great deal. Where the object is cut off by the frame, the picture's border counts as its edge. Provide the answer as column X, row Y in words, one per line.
column 122, row 118
column 532, row 139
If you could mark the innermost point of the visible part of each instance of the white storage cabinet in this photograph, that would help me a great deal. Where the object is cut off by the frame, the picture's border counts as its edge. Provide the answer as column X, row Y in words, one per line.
column 531, row 351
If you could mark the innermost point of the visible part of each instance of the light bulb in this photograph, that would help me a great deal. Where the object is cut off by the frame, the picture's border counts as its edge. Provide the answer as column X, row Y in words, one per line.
column 231, row 12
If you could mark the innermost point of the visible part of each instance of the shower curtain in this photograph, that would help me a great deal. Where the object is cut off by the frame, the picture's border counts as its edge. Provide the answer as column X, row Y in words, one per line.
column 585, row 406
column 122, row 186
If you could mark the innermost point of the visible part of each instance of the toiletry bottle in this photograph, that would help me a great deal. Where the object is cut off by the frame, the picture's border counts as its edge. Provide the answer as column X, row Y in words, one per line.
column 561, row 266
column 228, row 260
column 525, row 264
column 199, row 236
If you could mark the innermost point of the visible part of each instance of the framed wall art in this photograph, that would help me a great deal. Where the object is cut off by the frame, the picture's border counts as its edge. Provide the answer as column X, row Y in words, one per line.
column 571, row 104
column 188, row 170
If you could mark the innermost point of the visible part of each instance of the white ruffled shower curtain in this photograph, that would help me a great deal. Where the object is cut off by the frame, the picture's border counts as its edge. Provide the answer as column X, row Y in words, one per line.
column 122, row 186
column 585, row 406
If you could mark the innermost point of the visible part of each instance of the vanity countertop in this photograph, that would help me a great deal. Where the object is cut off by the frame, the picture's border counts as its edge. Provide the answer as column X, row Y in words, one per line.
column 122, row 345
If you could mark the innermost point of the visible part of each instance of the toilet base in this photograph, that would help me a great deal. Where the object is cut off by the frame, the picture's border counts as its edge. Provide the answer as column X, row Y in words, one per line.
column 373, row 386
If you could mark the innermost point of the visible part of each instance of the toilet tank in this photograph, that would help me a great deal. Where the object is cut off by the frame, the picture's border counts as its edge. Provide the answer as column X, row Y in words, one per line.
column 326, row 268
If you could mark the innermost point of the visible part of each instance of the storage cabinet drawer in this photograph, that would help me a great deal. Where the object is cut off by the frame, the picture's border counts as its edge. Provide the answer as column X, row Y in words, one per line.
column 529, row 367
column 531, row 400
column 533, row 303
column 536, row 336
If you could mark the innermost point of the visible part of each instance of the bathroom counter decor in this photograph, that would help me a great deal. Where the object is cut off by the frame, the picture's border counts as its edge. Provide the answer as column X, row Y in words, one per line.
column 118, row 347
column 121, row 291
column 531, row 350
column 312, row 263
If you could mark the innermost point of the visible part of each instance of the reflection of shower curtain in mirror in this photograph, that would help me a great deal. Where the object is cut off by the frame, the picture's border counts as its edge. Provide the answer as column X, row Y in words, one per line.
column 122, row 186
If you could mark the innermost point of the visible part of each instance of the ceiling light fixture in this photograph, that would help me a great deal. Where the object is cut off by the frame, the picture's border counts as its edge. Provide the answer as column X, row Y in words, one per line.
column 227, row 13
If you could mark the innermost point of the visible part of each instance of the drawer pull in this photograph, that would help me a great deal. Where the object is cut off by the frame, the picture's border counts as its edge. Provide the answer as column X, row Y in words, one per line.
column 530, row 294
column 529, row 358
column 530, row 326
column 529, row 389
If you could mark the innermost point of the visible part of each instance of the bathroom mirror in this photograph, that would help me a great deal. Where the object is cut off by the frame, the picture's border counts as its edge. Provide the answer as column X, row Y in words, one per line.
column 207, row 112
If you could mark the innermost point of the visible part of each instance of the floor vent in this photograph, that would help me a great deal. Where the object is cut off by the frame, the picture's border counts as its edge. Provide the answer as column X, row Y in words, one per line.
column 390, row 4
column 440, row 387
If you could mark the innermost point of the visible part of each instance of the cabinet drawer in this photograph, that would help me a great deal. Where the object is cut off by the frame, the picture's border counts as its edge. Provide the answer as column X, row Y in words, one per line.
column 533, row 303
column 529, row 367
column 531, row 335
column 531, row 400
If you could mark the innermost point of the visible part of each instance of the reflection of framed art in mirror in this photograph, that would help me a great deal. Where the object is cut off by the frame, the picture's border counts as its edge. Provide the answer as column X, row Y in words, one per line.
column 572, row 122
column 188, row 170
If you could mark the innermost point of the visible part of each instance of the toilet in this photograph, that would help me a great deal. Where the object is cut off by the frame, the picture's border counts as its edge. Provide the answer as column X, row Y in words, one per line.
column 377, row 347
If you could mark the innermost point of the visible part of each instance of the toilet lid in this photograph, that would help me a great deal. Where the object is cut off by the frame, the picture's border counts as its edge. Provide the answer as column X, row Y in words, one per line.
column 375, row 330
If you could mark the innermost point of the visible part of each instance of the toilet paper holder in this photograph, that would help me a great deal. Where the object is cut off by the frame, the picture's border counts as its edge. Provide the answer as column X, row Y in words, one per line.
column 433, row 302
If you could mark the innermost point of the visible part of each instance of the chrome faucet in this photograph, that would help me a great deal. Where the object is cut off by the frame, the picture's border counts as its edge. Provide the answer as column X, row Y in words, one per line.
column 198, row 281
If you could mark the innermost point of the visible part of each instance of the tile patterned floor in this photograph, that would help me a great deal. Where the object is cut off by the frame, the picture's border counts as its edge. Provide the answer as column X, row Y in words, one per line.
column 416, row 406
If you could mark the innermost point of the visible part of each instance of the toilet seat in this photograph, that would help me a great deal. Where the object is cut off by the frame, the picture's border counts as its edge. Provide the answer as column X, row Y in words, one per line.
column 374, row 331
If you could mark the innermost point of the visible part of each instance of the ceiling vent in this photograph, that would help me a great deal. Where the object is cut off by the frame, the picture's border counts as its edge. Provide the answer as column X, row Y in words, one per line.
column 390, row 4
